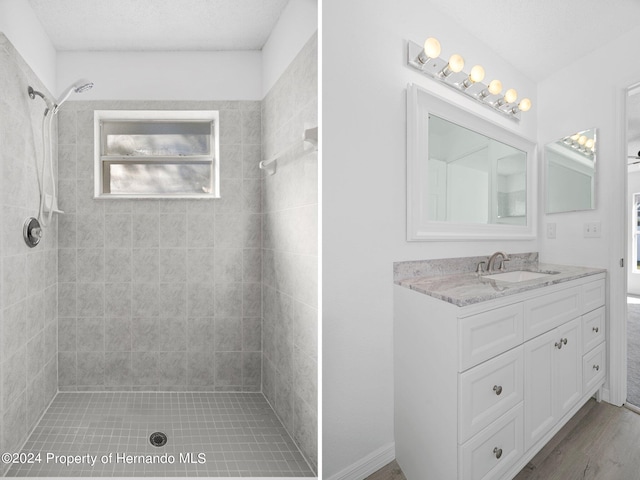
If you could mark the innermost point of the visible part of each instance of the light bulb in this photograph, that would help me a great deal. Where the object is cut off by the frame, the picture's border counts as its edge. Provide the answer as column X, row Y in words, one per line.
column 495, row 87
column 456, row 63
column 524, row 105
column 510, row 95
column 432, row 47
column 582, row 140
column 589, row 143
column 477, row 74
column 575, row 137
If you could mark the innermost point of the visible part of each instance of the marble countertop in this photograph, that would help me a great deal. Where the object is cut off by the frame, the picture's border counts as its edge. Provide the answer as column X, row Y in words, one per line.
column 469, row 288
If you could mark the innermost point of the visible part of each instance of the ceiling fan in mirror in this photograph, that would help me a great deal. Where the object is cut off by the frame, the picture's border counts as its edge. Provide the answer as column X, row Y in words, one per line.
column 633, row 159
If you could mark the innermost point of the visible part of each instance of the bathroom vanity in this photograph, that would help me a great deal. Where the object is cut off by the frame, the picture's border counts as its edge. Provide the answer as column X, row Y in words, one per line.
column 488, row 370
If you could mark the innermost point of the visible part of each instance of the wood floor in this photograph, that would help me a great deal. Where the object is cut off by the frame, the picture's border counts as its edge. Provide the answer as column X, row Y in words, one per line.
column 601, row 442
column 390, row 471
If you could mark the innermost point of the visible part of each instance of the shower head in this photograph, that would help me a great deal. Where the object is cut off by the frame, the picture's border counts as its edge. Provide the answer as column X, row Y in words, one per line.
column 78, row 87
column 84, row 87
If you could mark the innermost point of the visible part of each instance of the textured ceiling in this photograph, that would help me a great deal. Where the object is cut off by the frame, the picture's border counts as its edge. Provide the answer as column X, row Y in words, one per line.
column 158, row 24
column 540, row 36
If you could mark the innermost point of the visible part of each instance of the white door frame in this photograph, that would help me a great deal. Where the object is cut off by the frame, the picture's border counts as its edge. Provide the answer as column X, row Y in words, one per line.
column 618, row 275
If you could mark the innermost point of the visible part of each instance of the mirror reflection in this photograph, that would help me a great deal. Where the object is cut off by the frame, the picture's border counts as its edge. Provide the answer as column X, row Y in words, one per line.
column 571, row 172
column 474, row 178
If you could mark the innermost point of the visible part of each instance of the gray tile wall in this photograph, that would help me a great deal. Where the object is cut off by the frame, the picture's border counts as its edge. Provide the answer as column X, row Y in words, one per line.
column 28, row 277
column 290, row 253
column 161, row 294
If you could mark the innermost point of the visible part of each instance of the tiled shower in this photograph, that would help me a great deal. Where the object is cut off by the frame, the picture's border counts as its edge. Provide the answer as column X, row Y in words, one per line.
column 160, row 294
column 165, row 301
column 290, row 253
column 28, row 313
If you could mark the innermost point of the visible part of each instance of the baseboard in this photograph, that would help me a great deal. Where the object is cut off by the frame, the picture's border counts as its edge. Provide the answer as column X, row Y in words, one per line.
column 632, row 407
column 367, row 465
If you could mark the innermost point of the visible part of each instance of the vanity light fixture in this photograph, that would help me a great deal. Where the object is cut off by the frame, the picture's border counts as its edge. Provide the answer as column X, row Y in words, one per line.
column 581, row 144
column 426, row 59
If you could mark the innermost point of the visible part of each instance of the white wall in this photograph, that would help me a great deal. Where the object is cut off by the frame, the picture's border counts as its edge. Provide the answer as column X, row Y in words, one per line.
column 364, row 82
column 164, row 75
column 23, row 29
column 596, row 100
column 298, row 21
column 468, row 192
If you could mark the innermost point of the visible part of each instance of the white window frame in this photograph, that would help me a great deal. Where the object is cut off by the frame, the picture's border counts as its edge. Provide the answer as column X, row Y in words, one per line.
column 100, row 160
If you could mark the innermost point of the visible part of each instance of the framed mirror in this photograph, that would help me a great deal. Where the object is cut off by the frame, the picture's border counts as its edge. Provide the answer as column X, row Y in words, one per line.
column 467, row 178
column 570, row 164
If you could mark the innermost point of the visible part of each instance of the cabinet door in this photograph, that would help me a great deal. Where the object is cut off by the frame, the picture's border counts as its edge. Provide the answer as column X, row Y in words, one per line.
column 594, row 294
column 593, row 326
column 594, row 367
column 538, row 388
column 487, row 334
column 488, row 391
column 568, row 367
column 545, row 312
column 488, row 455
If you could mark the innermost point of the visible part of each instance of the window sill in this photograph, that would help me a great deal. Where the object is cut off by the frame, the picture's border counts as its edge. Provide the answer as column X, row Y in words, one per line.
column 155, row 197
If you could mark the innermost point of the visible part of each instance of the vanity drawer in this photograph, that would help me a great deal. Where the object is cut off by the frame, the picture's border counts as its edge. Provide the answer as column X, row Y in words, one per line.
column 594, row 367
column 493, row 451
column 488, row 391
column 593, row 294
column 488, row 334
column 593, row 325
column 546, row 312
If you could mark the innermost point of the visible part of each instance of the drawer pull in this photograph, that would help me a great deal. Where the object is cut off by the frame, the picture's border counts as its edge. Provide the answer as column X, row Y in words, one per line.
column 497, row 452
column 596, row 367
column 559, row 344
column 595, row 329
column 564, row 340
column 497, row 389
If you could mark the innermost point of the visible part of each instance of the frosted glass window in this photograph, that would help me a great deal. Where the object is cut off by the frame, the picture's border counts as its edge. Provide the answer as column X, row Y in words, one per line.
column 157, row 145
column 157, row 138
column 147, row 179
column 157, row 154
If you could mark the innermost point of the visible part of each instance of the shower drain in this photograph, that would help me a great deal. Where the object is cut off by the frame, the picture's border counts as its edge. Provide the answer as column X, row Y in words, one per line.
column 158, row 439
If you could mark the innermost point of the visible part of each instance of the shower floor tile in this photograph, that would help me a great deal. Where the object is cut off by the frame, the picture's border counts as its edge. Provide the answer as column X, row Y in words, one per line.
column 236, row 434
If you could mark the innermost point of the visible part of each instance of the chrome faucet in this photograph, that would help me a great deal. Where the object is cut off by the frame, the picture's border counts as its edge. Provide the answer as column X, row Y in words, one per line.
column 492, row 261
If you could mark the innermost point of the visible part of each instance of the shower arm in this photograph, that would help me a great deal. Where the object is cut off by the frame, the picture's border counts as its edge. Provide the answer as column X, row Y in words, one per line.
column 32, row 95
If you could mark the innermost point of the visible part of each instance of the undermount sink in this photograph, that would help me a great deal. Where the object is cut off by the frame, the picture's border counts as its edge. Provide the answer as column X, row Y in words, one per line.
column 518, row 276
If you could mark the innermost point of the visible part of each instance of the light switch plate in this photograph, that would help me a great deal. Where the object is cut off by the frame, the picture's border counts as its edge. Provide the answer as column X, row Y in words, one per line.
column 551, row 230
column 592, row 230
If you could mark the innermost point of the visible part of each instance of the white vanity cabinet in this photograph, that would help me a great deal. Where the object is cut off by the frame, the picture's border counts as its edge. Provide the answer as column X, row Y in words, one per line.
column 553, row 378
column 481, row 388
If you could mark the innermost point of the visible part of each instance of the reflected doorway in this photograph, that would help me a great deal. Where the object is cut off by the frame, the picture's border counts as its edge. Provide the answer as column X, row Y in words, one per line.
column 633, row 253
